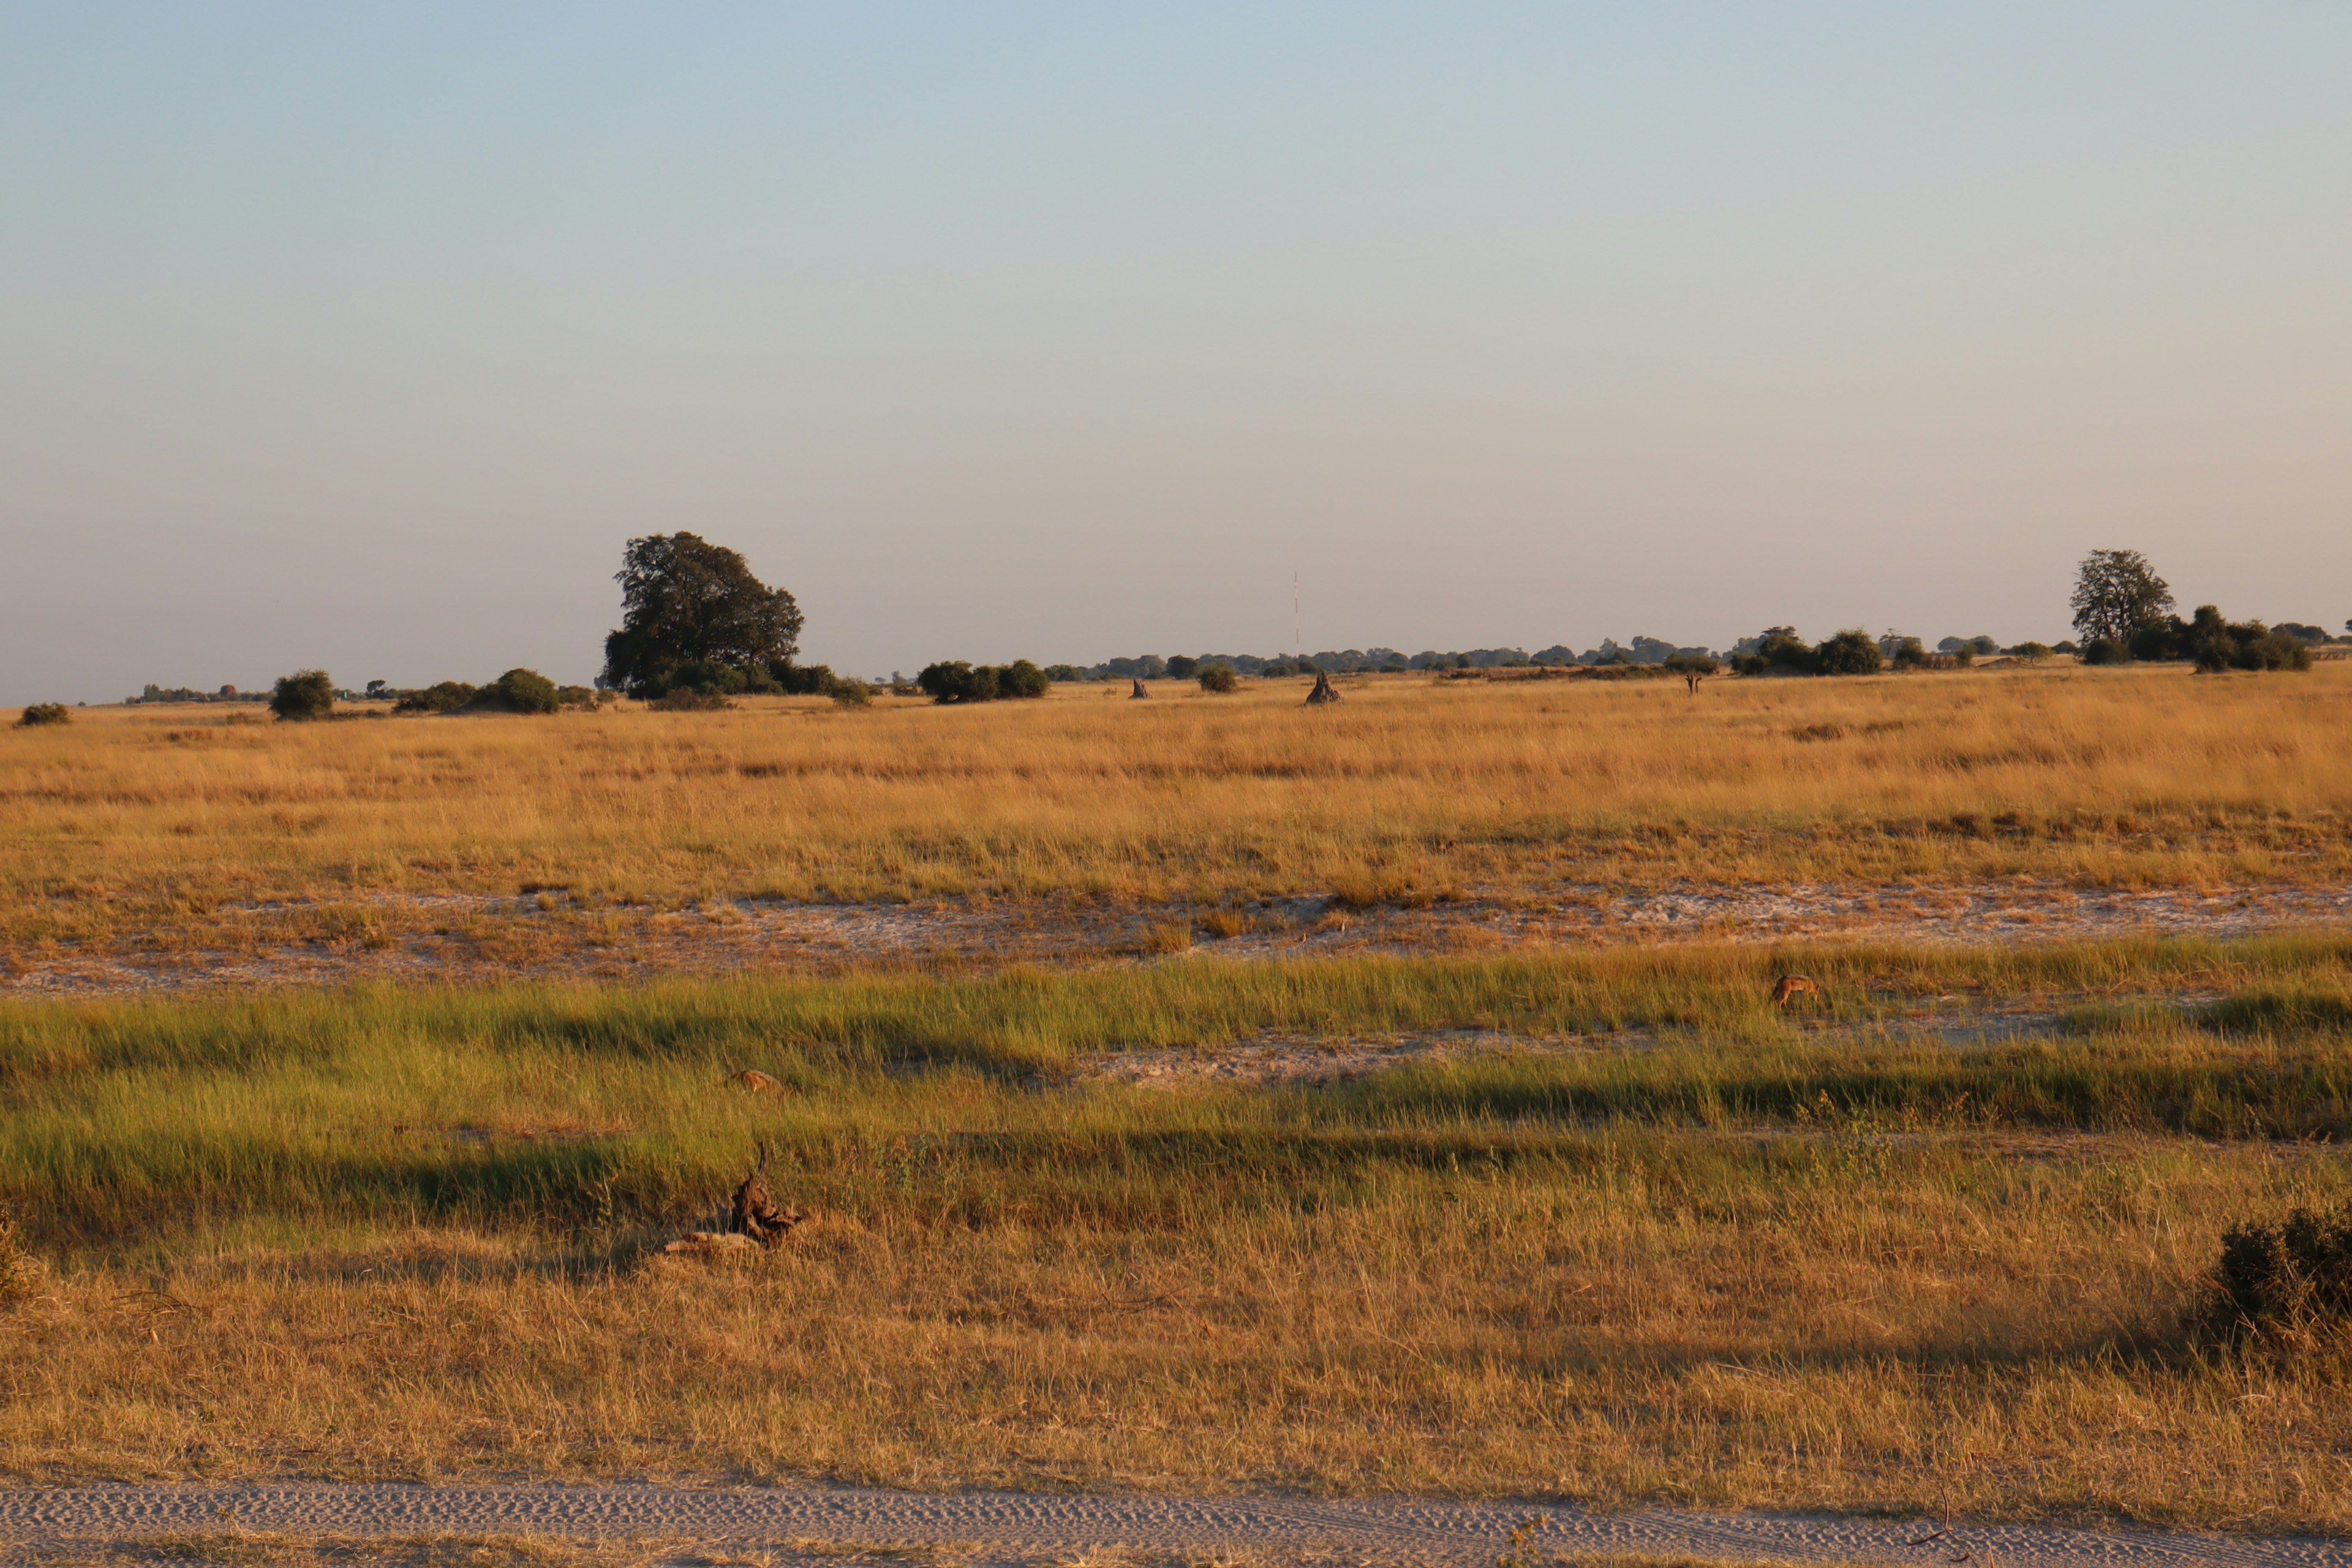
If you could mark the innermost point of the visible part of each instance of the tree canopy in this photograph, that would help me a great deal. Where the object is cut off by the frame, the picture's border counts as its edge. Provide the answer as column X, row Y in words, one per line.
column 302, row 695
column 2117, row 594
column 687, row 601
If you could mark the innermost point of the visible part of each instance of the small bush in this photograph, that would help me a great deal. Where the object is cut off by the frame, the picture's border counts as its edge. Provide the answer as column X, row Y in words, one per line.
column 2293, row 1275
column 1219, row 678
column 1022, row 679
column 851, row 693
column 1963, row 656
column 686, row 700
column 956, row 680
column 444, row 697
column 1912, row 654
column 802, row 679
column 1852, row 652
column 1780, row 651
column 2030, row 653
column 302, row 695
column 708, row 678
column 2272, row 652
column 2106, row 650
column 517, row 691
column 41, row 713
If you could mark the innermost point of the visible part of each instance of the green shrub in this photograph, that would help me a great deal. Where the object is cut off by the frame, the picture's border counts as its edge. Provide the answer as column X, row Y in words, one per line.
column 444, row 697
column 686, row 700
column 1219, row 678
column 1183, row 667
column 1022, row 679
column 850, row 693
column 41, row 713
column 1852, row 652
column 2030, row 653
column 518, row 691
column 2271, row 651
column 802, row 679
column 1963, row 656
column 954, row 680
column 2295, row 1274
column 302, row 695
column 704, row 677
column 2106, row 650
column 1912, row 654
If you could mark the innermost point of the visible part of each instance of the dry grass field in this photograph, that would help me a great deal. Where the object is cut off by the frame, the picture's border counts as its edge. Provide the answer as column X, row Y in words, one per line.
column 182, row 830
column 1658, row 1242
column 1597, row 1223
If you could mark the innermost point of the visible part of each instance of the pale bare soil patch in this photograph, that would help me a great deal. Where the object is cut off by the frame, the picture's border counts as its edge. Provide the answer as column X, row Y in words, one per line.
column 482, row 938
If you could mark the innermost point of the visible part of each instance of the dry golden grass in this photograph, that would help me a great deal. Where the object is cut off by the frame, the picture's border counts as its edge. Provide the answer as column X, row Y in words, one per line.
column 1946, row 1327
column 1732, row 1261
column 154, row 822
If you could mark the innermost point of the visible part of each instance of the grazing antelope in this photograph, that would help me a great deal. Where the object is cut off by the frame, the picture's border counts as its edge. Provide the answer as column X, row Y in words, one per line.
column 758, row 1082
column 1788, row 987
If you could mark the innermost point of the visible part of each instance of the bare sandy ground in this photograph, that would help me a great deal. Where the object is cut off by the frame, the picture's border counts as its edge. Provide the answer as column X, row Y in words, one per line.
column 534, row 937
column 976, row 1527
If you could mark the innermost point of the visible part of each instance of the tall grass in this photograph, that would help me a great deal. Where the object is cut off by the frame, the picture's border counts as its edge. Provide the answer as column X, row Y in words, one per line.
column 1688, row 1249
column 1412, row 789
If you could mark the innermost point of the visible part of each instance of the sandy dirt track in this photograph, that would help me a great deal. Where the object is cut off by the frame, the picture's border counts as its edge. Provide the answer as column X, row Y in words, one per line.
column 729, row 938
column 1017, row 1526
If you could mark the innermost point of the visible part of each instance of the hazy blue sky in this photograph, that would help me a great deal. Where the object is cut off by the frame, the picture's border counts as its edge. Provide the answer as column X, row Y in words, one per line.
column 364, row 336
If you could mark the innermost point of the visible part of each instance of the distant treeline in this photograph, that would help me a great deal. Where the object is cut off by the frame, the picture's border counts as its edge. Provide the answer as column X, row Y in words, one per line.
column 154, row 693
column 1358, row 660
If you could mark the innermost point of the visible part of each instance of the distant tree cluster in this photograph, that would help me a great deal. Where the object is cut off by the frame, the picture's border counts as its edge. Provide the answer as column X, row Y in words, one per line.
column 516, row 691
column 2123, row 611
column 1778, row 650
column 956, row 680
column 1643, row 650
column 154, row 693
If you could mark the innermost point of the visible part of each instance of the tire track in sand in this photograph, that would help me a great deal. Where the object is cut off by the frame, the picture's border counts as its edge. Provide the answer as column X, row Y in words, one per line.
column 1380, row 1529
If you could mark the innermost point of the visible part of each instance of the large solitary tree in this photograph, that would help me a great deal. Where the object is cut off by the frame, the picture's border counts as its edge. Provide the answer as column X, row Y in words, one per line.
column 685, row 600
column 2118, row 592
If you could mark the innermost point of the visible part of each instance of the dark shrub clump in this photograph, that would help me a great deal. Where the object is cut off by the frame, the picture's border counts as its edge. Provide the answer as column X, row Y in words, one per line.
column 43, row 713
column 955, row 681
column 1219, row 678
column 1780, row 651
column 447, row 697
column 306, row 694
column 2295, row 1275
column 1852, row 652
column 686, row 700
column 518, row 691
column 2106, row 650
